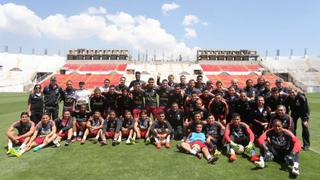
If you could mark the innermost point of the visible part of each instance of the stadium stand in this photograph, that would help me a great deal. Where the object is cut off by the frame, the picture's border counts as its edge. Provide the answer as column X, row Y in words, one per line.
column 18, row 70
column 304, row 70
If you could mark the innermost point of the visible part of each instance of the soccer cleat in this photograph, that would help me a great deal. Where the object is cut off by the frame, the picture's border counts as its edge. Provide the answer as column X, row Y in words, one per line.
column 158, row 145
column 104, row 142
column 36, row 149
column 295, row 171
column 132, row 141
column 233, row 157
column 199, row 155
column 68, row 142
column 82, row 142
column 147, row 141
column 167, row 145
column 95, row 141
column 180, row 148
column 114, row 143
column 259, row 164
column 212, row 160
column 255, row 158
column 10, row 151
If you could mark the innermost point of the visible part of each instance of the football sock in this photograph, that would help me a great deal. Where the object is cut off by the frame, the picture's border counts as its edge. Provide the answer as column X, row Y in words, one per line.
column 80, row 133
column 193, row 151
column 168, row 139
column 42, row 145
column 10, row 145
column 296, row 164
column 75, row 134
column 156, row 139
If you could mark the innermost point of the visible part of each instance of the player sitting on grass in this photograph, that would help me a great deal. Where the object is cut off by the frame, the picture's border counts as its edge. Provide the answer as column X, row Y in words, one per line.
column 239, row 139
column 80, row 122
column 44, row 134
column 195, row 144
column 94, row 127
column 161, row 130
column 214, row 131
column 142, row 126
column 25, row 129
column 279, row 144
column 127, row 124
column 64, row 128
column 111, row 128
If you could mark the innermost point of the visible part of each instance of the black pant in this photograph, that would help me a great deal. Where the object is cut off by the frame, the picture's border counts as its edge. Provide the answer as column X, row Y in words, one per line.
column 36, row 116
column 177, row 132
column 280, row 154
column 305, row 130
column 53, row 111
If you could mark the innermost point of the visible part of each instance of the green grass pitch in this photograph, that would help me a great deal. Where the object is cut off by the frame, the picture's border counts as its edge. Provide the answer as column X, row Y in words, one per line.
column 138, row 161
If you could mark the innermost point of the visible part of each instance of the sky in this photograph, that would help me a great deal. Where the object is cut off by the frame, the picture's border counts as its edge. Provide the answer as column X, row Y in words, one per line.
column 165, row 28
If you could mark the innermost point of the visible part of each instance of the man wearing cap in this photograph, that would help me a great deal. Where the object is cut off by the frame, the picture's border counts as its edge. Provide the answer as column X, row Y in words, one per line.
column 82, row 96
column 52, row 95
column 282, row 89
column 137, row 80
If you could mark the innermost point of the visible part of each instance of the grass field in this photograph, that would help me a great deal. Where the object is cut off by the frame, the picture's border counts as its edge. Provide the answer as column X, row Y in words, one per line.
column 138, row 161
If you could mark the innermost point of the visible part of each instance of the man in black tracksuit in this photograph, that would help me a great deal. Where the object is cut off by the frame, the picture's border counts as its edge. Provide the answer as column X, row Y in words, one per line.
column 175, row 117
column 52, row 94
column 297, row 103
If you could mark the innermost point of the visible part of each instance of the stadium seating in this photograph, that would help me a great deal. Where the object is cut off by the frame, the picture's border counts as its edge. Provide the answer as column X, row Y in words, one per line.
column 92, row 80
column 230, row 68
column 95, row 67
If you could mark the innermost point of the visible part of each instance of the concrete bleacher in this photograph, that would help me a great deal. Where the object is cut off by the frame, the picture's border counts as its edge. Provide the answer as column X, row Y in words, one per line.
column 18, row 70
column 304, row 70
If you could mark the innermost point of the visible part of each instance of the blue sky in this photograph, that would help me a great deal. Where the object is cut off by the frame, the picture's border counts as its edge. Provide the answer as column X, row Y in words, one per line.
column 233, row 24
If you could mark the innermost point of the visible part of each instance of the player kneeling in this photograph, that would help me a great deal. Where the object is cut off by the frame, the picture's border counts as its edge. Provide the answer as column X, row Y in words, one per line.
column 214, row 131
column 25, row 129
column 142, row 126
column 44, row 134
column 239, row 139
column 161, row 130
column 195, row 144
column 111, row 129
column 64, row 129
column 279, row 144
column 94, row 127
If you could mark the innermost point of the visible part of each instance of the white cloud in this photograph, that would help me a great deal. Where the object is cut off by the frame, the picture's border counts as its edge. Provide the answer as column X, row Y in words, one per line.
column 167, row 7
column 19, row 19
column 133, row 32
column 190, row 33
column 95, row 10
column 190, row 20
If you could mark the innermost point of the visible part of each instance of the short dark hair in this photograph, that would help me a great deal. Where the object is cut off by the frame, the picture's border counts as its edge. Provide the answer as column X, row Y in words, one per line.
column 234, row 115
column 24, row 113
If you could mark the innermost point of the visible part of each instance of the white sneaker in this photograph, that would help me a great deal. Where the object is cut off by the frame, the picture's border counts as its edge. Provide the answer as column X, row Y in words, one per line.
column 259, row 164
column 295, row 171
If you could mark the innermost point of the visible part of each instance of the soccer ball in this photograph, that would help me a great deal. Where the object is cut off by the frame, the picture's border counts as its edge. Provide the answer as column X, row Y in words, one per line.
column 239, row 149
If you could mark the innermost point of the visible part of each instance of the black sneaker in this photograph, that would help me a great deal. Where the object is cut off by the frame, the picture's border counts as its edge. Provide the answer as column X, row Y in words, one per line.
column 306, row 148
column 180, row 148
column 114, row 143
column 212, row 160
column 68, row 142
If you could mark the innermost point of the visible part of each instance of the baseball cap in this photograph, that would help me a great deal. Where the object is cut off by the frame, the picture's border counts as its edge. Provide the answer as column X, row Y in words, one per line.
column 279, row 81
